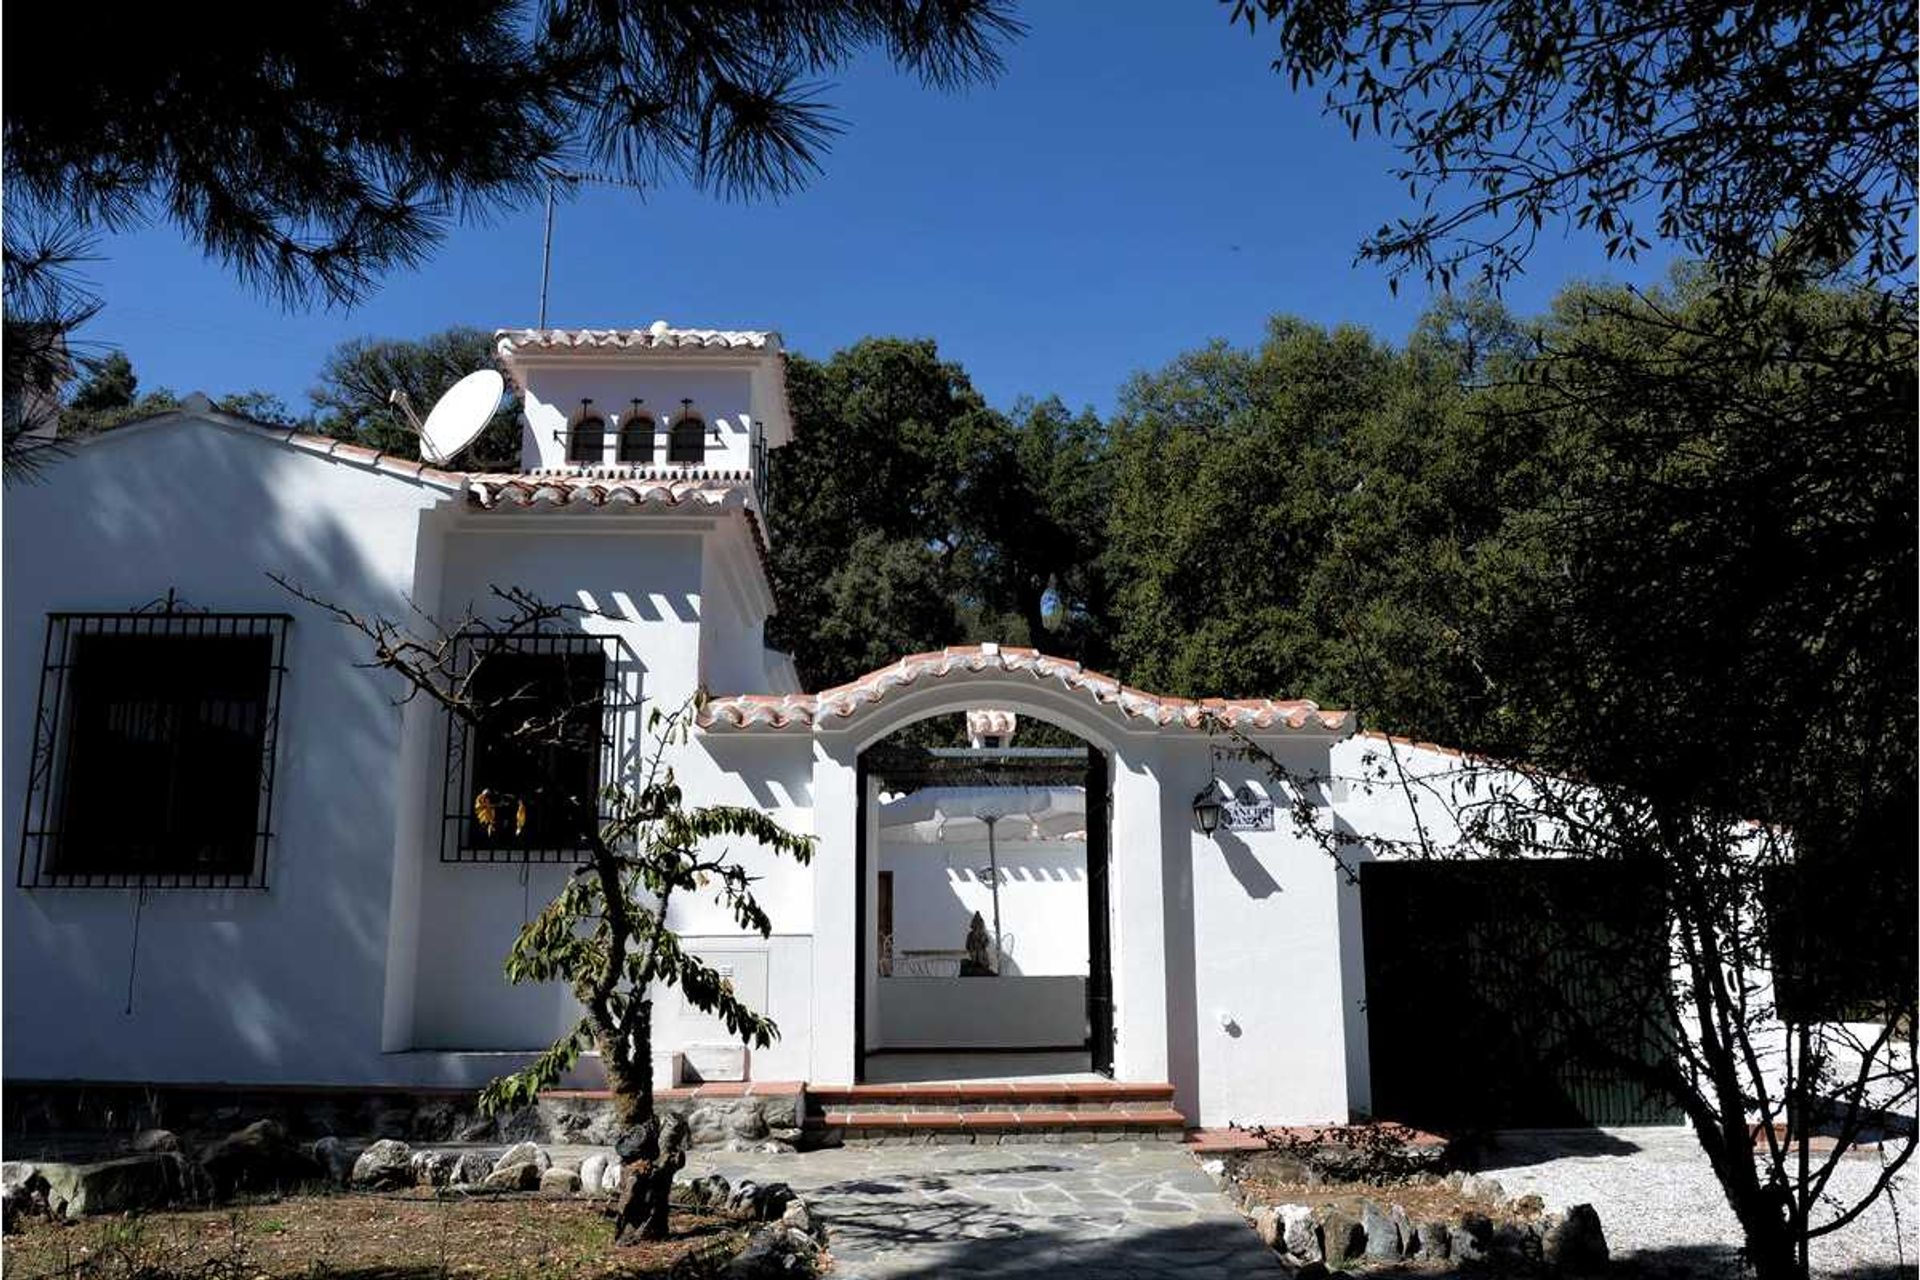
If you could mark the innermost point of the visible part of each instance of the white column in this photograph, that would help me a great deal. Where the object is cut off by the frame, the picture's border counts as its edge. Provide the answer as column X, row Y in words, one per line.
column 1136, row 887
column 836, row 811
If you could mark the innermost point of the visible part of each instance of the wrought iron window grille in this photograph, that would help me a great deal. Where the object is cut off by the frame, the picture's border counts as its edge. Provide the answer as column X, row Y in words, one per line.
column 687, row 438
column 559, row 770
column 154, row 748
column 636, row 438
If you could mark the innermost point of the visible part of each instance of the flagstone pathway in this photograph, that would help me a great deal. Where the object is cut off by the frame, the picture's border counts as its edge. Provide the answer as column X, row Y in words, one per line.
column 1112, row 1209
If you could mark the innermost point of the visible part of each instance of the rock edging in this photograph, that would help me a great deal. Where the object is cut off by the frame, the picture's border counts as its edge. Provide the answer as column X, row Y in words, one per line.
column 1313, row 1241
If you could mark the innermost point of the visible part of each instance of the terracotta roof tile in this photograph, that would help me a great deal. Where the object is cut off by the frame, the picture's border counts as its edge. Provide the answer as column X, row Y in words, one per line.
column 1016, row 665
column 327, row 447
column 658, row 336
column 622, row 489
column 610, row 486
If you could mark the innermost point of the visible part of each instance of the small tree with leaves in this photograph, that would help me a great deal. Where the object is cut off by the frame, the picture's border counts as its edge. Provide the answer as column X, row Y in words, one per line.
column 606, row 933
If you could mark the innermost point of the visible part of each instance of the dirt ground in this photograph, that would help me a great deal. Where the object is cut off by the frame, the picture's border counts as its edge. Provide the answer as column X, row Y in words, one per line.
column 371, row 1237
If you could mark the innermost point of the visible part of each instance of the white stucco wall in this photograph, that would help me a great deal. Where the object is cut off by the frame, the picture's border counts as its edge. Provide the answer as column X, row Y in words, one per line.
column 282, row 985
column 1043, row 900
column 1254, row 957
column 656, row 584
column 722, row 394
column 367, row 960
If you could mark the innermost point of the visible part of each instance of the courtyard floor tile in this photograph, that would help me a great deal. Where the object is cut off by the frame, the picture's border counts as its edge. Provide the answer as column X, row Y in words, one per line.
column 1110, row 1209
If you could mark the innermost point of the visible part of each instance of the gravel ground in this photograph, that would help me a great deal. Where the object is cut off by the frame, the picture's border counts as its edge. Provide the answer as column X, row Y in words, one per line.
column 1658, row 1200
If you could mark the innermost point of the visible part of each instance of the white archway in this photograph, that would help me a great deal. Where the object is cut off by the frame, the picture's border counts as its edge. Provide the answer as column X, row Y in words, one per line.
column 845, row 823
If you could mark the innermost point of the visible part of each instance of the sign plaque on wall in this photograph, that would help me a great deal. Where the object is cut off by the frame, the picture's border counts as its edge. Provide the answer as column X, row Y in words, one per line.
column 1247, row 812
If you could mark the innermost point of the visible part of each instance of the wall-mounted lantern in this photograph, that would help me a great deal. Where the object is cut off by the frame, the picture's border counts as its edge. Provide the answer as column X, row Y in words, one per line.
column 1206, row 809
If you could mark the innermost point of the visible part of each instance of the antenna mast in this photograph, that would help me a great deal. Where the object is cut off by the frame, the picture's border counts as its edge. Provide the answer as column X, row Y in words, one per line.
column 573, row 179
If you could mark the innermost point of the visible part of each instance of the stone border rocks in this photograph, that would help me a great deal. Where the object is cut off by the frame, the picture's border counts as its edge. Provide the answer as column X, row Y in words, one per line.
column 755, row 1116
column 791, row 1240
column 1509, row 1234
column 162, row 1170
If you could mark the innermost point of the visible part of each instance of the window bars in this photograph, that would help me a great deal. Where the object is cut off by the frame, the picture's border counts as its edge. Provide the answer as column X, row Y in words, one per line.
column 687, row 440
column 587, row 439
column 524, row 776
column 153, row 750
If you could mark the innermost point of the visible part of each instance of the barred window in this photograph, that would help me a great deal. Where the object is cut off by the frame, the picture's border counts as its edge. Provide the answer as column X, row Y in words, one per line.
column 153, row 751
column 587, row 437
column 523, row 780
column 636, row 437
column 687, row 440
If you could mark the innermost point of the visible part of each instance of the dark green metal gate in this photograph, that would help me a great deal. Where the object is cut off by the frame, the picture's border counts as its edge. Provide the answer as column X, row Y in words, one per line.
column 1489, row 984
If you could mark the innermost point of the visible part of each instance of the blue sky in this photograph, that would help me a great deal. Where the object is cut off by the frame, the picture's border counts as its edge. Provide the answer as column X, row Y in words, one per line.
column 1136, row 184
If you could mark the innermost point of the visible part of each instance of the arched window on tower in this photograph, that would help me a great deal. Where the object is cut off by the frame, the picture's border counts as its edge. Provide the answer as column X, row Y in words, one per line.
column 587, row 437
column 687, row 438
column 636, row 436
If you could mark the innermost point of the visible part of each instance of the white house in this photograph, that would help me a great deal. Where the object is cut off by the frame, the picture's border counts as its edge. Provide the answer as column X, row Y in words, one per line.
column 240, row 861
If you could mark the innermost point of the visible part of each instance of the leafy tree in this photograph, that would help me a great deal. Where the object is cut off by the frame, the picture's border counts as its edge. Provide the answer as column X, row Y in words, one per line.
column 353, row 399
column 867, row 513
column 109, row 396
column 109, row 385
column 910, row 515
column 1674, row 973
column 885, row 599
column 1232, row 473
column 1693, row 608
column 1035, row 493
column 1779, row 132
column 261, row 406
column 607, row 933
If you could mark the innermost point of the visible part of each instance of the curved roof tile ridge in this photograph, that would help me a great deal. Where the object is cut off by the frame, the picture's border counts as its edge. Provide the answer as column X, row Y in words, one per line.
column 843, row 702
column 654, row 338
column 605, row 486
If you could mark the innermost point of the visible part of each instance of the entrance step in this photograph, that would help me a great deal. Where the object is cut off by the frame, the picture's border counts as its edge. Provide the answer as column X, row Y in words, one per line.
column 991, row 1113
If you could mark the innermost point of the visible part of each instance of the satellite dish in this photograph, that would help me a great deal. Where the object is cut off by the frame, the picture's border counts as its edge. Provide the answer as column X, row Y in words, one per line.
column 460, row 415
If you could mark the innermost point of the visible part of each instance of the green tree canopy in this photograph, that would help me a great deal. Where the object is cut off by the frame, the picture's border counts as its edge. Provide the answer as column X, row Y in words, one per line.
column 108, row 396
column 353, row 397
column 1781, row 131
column 1248, row 486
column 908, row 515
column 312, row 150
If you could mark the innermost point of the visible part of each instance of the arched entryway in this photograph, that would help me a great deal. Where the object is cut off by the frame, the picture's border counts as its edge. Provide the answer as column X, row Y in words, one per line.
column 972, row 1004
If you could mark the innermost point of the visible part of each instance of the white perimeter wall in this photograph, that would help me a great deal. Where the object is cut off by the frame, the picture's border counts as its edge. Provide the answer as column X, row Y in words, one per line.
column 1237, row 965
column 982, row 1013
column 1261, row 997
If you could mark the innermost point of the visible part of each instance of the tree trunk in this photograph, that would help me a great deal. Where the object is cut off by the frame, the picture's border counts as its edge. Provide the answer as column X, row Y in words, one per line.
column 656, row 1153
column 1771, row 1249
column 652, row 1147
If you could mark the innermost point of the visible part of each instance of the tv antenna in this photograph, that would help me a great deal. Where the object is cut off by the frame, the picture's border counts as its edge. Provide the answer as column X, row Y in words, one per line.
column 457, row 417
column 573, row 179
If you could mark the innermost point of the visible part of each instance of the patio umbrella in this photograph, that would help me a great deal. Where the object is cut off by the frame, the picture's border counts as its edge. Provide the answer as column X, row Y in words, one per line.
column 960, row 815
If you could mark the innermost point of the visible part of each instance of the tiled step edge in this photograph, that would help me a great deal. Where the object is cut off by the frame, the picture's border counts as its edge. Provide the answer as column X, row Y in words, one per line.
column 999, row 1121
column 996, row 1096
